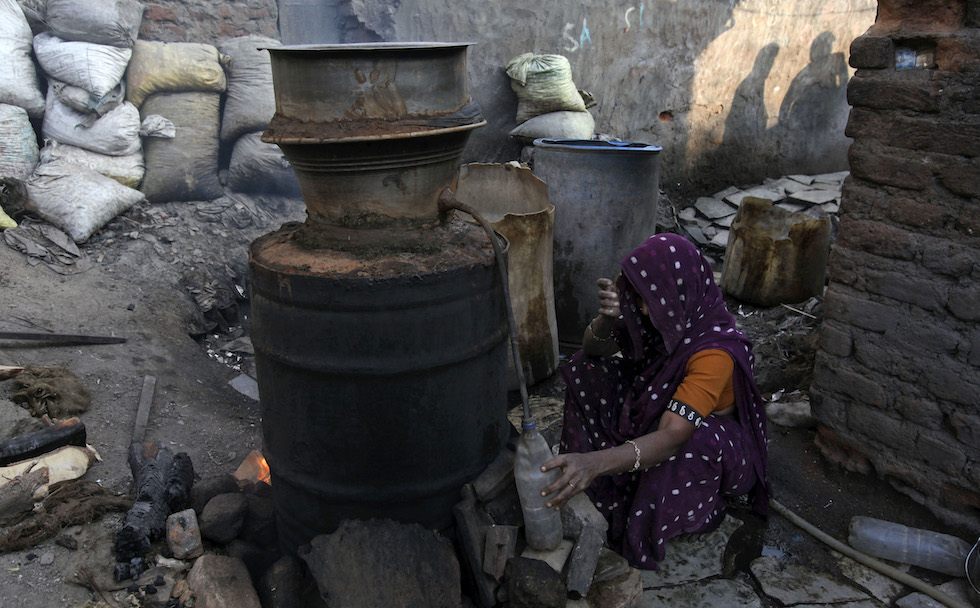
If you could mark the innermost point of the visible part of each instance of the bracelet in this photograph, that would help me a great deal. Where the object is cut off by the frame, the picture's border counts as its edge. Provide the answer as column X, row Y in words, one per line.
column 636, row 448
column 595, row 337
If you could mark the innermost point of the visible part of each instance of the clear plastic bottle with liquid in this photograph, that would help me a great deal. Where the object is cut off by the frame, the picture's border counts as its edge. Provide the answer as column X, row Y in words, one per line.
column 887, row 540
column 542, row 524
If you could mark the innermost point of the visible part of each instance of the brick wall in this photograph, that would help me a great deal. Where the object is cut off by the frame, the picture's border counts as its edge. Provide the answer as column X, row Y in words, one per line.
column 897, row 380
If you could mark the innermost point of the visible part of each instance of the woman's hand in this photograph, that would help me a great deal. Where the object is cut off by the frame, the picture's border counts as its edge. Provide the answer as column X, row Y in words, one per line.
column 577, row 473
column 608, row 299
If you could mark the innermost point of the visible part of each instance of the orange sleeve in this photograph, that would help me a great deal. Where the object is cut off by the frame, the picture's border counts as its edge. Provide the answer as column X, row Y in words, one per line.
column 707, row 383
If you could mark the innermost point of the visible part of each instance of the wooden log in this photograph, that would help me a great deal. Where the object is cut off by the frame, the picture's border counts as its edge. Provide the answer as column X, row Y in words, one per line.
column 161, row 479
column 22, row 447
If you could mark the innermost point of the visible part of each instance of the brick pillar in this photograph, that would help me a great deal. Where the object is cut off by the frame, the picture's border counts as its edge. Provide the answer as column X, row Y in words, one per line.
column 897, row 378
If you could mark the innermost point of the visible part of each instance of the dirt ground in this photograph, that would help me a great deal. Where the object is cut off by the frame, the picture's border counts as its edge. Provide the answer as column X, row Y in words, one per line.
column 159, row 274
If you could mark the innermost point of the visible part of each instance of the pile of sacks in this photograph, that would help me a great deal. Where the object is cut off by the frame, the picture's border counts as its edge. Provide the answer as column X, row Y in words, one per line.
column 126, row 120
column 548, row 103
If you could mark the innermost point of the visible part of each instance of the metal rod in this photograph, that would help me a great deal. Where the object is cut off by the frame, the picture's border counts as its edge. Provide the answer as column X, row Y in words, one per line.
column 46, row 337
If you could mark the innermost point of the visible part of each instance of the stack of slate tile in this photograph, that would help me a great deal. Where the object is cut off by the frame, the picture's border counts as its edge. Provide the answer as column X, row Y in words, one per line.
column 708, row 220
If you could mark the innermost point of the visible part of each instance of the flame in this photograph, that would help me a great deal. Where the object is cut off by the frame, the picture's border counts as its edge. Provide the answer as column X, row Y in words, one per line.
column 254, row 468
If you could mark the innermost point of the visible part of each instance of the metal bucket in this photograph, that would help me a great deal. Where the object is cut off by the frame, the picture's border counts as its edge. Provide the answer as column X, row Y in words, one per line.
column 373, row 131
column 605, row 196
column 381, row 378
column 515, row 202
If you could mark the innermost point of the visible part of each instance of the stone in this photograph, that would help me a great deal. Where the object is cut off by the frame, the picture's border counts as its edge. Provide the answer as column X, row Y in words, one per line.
column 219, row 581
column 184, row 535
column 815, row 197
column 259, row 526
column 717, row 592
column 505, row 508
column 792, row 584
column 957, row 589
column 16, row 421
column 871, row 52
column 579, row 513
column 287, row 584
column 893, row 94
column 693, row 557
column 496, row 477
column 472, row 525
column 245, row 385
column 883, row 588
column 256, row 559
column 720, row 239
column 163, row 582
column 500, row 546
column 611, row 566
column 794, row 414
column 583, row 561
column 625, row 591
column 792, row 207
column 806, row 180
column 555, row 558
column 383, row 563
column 223, row 517
column 770, row 193
column 208, row 487
column 713, row 208
column 531, row 583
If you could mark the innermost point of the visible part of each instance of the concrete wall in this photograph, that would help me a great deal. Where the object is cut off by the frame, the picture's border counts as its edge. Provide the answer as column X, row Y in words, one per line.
column 898, row 372
column 733, row 90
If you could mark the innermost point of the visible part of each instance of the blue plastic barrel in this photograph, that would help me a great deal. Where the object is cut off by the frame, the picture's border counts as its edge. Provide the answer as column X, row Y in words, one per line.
column 605, row 196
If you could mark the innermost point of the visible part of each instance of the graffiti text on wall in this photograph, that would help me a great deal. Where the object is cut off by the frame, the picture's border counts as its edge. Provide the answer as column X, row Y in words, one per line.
column 576, row 39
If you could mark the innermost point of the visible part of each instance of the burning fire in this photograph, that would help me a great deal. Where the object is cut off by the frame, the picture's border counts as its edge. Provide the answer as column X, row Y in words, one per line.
column 254, row 468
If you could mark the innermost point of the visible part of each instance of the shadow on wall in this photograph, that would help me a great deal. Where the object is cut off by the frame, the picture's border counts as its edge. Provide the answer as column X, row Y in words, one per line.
column 810, row 131
column 809, row 135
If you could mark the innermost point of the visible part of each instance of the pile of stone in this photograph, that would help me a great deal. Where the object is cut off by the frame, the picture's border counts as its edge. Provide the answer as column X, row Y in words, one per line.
column 224, row 547
column 708, row 221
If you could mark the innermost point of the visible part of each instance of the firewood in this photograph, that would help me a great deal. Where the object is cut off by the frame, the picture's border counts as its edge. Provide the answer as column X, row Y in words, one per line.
column 22, row 447
column 162, row 484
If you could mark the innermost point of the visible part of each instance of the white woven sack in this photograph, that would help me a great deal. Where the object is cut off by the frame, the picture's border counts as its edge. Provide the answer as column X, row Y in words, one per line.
column 127, row 170
column 76, row 199
column 97, row 68
column 555, row 125
column 112, row 22
column 18, row 143
column 18, row 76
column 172, row 67
column 250, row 101
column 117, row 133
column 543, row 84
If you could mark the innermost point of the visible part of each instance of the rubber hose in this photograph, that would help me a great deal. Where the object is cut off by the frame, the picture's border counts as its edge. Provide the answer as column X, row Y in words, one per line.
column 866, row 559
column 447, row 200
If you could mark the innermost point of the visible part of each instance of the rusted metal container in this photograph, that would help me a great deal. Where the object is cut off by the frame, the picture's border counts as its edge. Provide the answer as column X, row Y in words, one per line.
column 381, row 366
column 515, row 202
column 373, row 131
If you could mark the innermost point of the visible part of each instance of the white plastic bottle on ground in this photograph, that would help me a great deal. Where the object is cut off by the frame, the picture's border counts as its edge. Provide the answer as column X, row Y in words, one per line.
column 898, row 543
column 542, row 525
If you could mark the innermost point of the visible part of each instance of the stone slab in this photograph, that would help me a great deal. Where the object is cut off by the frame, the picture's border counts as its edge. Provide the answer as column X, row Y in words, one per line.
column 831, row 178
column 692, row 557
column 793, row 207
column 767, row 192
column 219, row 581
column 718, row 593
column 957, row 589
column 884, row 588
column 793, row 584
column 555, row 558
column 815, row 197
column 803, row 179
column 245, row 385
column 713, row 208
column 720, row 239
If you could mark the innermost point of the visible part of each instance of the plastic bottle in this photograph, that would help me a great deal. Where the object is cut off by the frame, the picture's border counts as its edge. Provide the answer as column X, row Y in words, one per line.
column 542, row 524
column 898, row 543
